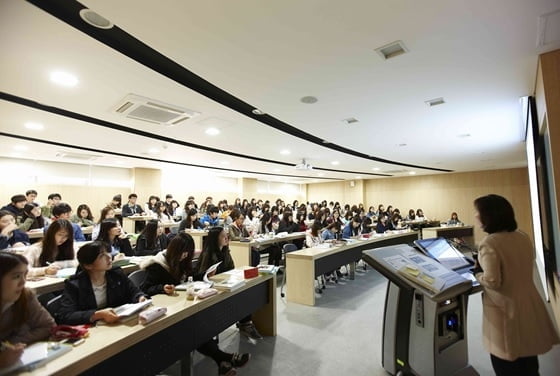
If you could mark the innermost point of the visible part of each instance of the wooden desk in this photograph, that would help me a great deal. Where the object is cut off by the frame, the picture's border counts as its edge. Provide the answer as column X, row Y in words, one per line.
column 449, row 232
column 38, row 234
column 129, row 223
column 241, row 251
column 51, row 284
column 133, row 349
column 198, row 237
column 303, row 266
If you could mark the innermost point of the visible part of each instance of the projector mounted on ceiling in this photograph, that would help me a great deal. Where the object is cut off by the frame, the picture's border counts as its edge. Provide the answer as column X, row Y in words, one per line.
column 304, row 166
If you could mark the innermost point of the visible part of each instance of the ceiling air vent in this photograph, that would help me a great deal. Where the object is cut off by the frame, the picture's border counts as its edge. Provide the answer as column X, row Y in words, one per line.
column 153, row 111
column 434, row 102
column 392, row 50
column 395, row 171
column 76, row 156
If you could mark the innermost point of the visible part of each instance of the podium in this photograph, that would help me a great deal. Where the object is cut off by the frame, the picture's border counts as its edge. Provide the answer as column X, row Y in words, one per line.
column 425, row 317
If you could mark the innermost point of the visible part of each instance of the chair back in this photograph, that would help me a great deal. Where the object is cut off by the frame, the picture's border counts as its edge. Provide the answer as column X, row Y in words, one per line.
column 289, row 247
column 137, row 277
column 53, row 306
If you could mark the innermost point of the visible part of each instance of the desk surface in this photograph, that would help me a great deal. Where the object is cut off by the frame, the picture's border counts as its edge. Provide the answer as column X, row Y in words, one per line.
column 43, row 285
column 39, row 233
column 109, row 341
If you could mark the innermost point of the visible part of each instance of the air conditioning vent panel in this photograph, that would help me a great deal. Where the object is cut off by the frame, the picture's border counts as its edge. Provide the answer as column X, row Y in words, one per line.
column 152, row 111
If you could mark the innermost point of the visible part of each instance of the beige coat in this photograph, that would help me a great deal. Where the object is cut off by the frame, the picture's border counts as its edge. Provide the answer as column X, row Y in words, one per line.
column 516, row 322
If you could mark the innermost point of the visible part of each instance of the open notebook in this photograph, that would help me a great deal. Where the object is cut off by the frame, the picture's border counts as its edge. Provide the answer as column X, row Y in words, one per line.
column 131, row 308
column 37, row 355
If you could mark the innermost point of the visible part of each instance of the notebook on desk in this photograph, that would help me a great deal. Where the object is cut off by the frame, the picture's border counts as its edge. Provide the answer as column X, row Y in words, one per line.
column 131, row 308
column 35, row 356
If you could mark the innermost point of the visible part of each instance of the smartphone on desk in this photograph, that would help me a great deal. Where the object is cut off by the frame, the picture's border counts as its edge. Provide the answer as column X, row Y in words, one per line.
column 74, row 341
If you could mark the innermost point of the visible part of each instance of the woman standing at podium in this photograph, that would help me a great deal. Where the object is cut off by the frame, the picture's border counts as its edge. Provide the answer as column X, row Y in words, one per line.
column 516, row 325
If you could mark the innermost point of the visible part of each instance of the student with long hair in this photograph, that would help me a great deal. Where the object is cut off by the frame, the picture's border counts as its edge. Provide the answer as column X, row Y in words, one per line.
column 54, row 252
column 83, row 216
column 172, row 267
column 151, row 204
column 216, row 249
column 90, row 294
column 161, row 213
column 151, row 240
column 190, row 222
column 10, row 235
column 32, row 218
column 313, row 236
column 106, row 213
column 454, row 219
column 111, row 233
column 23, row 320
column 516, row 326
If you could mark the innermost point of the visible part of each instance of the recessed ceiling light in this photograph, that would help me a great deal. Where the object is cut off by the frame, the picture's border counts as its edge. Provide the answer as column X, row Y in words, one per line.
column 376, row 169
column 256, row 111
column 212, row 131
column 64, row 78
column 434, row 102
column 326, row 142
column 285, row 152
column 335, row 163
column 34, row 126
column 20, row 147
column 412, row 172
column 392, row 50
column 309, row 99
column 153, row 151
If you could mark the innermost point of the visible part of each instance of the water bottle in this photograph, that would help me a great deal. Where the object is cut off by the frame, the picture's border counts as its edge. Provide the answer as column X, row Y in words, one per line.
column 190, row 288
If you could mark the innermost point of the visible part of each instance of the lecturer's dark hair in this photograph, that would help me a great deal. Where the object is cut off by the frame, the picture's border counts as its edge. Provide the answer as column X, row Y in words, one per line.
column 496, row 214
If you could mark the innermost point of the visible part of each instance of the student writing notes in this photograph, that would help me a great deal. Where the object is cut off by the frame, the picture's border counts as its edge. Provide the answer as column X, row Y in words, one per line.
column 23, row 320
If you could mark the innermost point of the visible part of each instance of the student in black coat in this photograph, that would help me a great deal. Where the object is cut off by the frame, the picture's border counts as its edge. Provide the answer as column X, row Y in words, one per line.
column 152, row 239
column 171, row 267
column 111, row 233
column 91, row 294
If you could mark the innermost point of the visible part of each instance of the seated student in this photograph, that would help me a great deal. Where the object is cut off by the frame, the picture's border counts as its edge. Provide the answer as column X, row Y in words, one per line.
column 111, row 233
column 411, row 215
column 150, row 206
column 420, row 215
column 190, row 222
column 31, row 196
column 366, row 225
column 175, row 210
column 90, row 294
column 287, row 223
column 382, row 224
column 172, row 267
column 252, row 222
column 352, row 228
column 63, row 211
column 16, row 207
column 331, row 232
column 116, row 202
column 454, row 220
column 23, row 320
column 161, row 213
column 238, row 231
column 210, row 219
column 32, row 218
column 53, row 199
column 106, row 213
column 55, row 251
column 151, row 240
column 216, row 249
column 10, row 235
column 267, row 226
column 131, row 207
column 395, row 222
column 313, row 237
column 83, row 216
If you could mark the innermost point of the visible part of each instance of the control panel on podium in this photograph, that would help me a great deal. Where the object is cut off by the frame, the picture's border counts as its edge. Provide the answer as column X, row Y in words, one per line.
column 424, row 328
